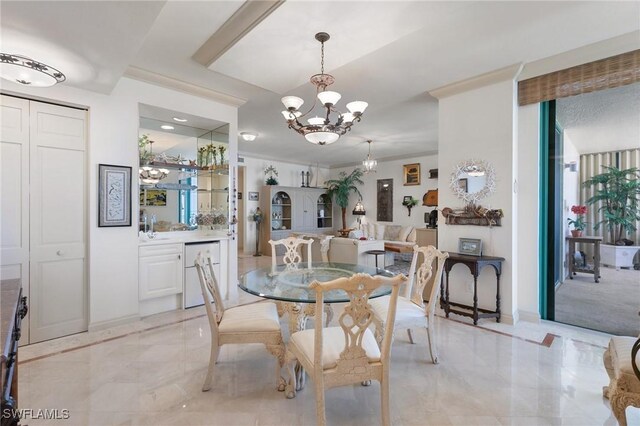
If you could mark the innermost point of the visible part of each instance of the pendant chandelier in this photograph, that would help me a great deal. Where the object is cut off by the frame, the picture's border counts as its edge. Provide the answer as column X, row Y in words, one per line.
column 320, row 130
column 369, row 164
column 149, row 175
column 26, row 71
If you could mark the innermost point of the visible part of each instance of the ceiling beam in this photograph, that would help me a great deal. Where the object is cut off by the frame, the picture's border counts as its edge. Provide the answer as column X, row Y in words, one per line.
column 250, row 14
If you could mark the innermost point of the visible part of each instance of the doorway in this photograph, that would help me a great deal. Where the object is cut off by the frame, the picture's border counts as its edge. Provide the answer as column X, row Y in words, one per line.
column 585, row 137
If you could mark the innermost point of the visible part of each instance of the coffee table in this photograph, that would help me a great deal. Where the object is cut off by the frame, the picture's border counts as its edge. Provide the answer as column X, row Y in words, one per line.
column 398, row 248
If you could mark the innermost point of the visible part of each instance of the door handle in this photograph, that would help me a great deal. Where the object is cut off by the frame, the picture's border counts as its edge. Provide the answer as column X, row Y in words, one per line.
column 179, row 257
column 60, row 253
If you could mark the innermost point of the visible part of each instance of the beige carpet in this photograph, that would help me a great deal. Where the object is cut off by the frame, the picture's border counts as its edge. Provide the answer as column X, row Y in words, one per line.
column 611, row 306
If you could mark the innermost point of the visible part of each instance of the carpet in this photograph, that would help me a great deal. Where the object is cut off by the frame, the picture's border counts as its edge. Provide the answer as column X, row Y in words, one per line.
column 611, row 306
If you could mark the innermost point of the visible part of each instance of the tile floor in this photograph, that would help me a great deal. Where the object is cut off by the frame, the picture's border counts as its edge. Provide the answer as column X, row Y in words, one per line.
column 151, row 372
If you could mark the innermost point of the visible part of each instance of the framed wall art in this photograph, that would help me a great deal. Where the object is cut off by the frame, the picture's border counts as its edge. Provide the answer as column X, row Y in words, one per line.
column 385, row 200
column 155, row 197
column 411, row 173
column 114, row 195
column 254, row 196
column 470, row 246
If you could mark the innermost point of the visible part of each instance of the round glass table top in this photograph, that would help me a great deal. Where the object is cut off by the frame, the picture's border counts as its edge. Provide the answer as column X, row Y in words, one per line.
column 292, row 284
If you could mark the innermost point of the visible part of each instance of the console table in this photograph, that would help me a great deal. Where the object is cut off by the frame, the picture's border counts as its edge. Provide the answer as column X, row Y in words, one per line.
column 475, row 265
column 573, row 268
column 13, row 308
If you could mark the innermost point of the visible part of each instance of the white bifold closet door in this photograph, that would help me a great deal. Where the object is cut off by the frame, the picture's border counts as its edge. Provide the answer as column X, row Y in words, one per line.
column 44, row 218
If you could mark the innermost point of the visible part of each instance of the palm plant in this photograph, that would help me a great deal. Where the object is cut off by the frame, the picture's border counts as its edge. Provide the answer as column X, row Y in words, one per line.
column 342, row 187
column 617, row 192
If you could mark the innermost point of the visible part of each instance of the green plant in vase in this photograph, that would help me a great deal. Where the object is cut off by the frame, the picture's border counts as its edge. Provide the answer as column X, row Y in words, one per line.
column 271, row 174
column 221, row 151
column 145, row 154
column 409, row 203
column 341, row 187
column 202, row 156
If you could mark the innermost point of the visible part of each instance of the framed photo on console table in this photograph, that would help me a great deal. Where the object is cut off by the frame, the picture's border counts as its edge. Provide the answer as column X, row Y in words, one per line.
column 114, row 195
column 470, row 246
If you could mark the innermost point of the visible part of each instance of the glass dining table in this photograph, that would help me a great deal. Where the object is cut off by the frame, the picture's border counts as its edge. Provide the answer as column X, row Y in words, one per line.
column 289, row 286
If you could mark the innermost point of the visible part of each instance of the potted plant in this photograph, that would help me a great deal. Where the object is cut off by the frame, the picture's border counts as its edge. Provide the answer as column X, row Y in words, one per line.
column 578, row 223
column 341, row 188
column 145, row 154
column 617, row 196
column 271, row 174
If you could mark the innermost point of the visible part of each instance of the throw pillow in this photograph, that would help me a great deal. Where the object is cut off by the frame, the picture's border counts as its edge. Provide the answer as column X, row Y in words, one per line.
column 404, row 233
column 357, row 234
column 413, row 237
column 392, row 233
column 379, row 228
column 371, row 227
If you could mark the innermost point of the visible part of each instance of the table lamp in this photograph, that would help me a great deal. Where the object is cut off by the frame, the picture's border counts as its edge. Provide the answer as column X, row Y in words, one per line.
column 358, row 210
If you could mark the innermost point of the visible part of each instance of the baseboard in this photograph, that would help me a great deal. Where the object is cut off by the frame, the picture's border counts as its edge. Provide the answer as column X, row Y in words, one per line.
column 509, row 319
column 101, row 325
column 533, row 317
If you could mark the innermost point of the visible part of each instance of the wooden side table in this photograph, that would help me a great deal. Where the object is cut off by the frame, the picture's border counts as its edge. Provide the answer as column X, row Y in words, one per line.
column 475, row 265
column 573, row 268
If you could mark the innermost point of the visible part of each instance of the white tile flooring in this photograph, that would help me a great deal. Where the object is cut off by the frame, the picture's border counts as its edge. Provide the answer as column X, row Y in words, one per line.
column 151, row 372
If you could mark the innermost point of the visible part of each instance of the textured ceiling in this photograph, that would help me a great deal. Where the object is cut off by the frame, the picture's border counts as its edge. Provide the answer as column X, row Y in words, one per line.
column 606, row 120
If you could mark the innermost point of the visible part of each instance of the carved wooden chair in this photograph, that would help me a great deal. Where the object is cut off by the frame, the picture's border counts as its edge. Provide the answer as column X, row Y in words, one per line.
column 411, row 310
column 621, row 361
column 255, row 323
column 348, row 354
column 292, row 256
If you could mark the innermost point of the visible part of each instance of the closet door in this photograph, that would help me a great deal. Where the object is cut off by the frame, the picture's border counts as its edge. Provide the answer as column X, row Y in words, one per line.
column 14, row 194
column 58, row 220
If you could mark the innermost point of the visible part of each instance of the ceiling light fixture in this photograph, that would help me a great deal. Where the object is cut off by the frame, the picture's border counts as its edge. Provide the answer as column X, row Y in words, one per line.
column 320, row 130
column 369, row 164
column 167, row 127
column 26, row 71
column 180, row 120
column 248, row 136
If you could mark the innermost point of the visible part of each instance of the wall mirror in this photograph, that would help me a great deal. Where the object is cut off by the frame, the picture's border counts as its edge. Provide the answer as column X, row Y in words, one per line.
column 385, row 200
column 184, row 171
column 473, row 180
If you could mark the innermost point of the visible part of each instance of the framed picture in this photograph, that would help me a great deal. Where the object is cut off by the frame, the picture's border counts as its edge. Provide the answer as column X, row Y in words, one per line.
column 411, row 173
column 155, row 197
column 470, row 246
column 239, row 195
column 406, row 199
column 114, row 195
column 385, row 200
column 254, row 196
column 463, row 183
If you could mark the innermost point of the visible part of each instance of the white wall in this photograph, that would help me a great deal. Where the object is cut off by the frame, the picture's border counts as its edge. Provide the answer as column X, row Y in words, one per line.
column 254, row 180
column 113, row 134
column 391, row 170
column 481, row 123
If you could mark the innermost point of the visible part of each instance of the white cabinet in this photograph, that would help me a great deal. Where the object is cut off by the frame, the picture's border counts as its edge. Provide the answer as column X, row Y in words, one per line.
column 161, row 271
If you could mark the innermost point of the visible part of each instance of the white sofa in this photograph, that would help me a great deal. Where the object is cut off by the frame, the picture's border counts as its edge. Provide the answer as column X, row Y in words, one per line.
column 352, row 251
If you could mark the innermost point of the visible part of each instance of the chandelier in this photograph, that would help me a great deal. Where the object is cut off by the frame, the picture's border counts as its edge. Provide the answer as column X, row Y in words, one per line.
column 150, row 175
column 321, row 130
column 369, row 164
column 26, row 71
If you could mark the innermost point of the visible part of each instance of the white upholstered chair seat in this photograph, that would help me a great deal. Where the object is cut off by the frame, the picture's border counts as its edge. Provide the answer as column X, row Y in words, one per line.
column 407, row 312
column 302, row 343
column 256, row 317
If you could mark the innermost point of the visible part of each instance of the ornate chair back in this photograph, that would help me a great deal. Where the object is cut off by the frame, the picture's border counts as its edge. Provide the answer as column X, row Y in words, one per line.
column 292, row 256
column 210, row 290
column 354, row 321
column 423, row 274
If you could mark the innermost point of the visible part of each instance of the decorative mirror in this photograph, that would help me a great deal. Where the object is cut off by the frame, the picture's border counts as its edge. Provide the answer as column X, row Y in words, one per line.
column 473, row 180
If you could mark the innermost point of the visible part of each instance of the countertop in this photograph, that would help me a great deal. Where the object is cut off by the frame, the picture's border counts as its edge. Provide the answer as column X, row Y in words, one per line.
column 182, row 237
column 9, row 293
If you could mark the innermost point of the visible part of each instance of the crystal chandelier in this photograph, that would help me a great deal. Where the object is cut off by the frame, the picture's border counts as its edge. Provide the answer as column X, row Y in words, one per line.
column 369, row 164
column 320, row 130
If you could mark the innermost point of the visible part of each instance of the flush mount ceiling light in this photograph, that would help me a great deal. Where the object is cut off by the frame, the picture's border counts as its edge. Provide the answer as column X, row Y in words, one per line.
column 320, row 130
column 369, row 164
column 167, row 127
column 26, row 71
column 180, row 120
column 248, row 136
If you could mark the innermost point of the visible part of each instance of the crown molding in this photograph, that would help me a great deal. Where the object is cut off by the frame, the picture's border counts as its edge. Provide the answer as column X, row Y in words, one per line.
column 250, row 14
column 255, row 156
column 507, row 73
column 582, row 55
column 182, row 86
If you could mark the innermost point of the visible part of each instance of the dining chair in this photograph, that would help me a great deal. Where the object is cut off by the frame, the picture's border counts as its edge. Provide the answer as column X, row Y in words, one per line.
column 292, row 256
column 348, row 354
column 411, row 310
column 254, row 323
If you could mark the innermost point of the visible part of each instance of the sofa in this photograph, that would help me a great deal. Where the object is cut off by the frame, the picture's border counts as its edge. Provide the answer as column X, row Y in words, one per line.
column 396, row 234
